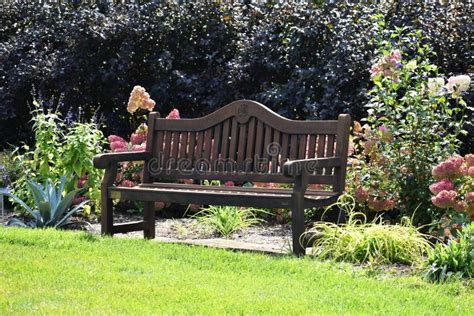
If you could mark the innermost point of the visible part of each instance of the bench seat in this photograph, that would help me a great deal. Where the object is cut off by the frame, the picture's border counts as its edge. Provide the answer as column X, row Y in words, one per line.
column 220, row 195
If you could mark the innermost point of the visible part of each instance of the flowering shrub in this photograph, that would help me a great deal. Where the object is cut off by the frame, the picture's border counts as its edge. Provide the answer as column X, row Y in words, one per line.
column 454, row 192
column 131, row 173
column 414, row 119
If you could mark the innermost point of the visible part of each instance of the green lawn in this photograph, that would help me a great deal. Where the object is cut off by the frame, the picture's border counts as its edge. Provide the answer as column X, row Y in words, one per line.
column 49, row 271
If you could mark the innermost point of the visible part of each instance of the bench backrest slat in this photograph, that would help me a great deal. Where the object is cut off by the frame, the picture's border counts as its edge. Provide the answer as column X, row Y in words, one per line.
column 243, row 141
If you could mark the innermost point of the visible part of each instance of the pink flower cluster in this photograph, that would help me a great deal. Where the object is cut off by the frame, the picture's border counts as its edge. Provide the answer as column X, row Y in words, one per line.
column 378, row 204
column 455, row 175
column 451, row 168
column 445, row 199
column 139, row 99
column 174, row 114
column 131, row 174
column 117, row 144
column 443, row 185
column 387, row 66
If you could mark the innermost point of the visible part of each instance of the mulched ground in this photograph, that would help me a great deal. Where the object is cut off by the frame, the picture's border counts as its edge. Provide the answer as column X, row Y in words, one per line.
column 271, row 238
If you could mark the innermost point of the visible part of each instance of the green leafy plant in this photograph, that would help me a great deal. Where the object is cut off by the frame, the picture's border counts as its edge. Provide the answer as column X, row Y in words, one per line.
column 228, row 219
column 452, row 260
column 359, row 241
column 59, row 149
column 51, row 209
column 81, row 143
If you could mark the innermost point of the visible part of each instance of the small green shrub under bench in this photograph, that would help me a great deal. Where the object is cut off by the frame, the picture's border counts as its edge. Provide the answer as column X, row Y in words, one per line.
column 57, row 272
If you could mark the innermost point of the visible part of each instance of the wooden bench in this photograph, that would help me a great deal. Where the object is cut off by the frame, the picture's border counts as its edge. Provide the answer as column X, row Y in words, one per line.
column 241, row 142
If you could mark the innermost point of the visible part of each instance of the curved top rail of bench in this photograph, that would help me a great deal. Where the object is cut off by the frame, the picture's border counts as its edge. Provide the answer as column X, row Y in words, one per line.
column 243, row 110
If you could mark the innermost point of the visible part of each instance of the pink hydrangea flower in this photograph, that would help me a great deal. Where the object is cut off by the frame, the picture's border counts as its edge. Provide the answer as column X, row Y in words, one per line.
column 375, row 71
column 174, row 114
column 469, row 160
column 127, row 183
column 115, row 138
column 445, row 199
column 450, row 168
column 141, row 147
column 444, row 184
column 470, row 196
column 119, row 146
column 460, row 206
column 361, row 195
column 137, row 139
column 229, row 184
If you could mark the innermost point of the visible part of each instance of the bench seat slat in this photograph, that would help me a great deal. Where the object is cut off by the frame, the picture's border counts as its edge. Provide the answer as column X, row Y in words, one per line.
column 220, row 195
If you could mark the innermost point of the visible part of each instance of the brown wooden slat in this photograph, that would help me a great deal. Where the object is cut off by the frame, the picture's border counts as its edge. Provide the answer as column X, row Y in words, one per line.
column 267, row 142
column 320, row 149
column 198, row 152
column 275, row 121
column 175, row 149
column 233, row 140
column 242, row 145
column 302, row 146
column 276, row 151
column 284, row 149
column 191, row 148
column 312, row 146
column 128, row 227
column 239, row 177
column 293, row 146
column 225, row 139
column 183, row 145
column 329, row 151
column 258, row 140
column 224, row 197
column 308, row 193
column 167, row 149
column 207, row 145
column 216, row 145
column 249, row 153
column 158, row 146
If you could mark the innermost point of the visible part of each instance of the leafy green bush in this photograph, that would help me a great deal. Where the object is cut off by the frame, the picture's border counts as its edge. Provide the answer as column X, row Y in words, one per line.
column 52, row 209
column 359, row 241
column 59, row 148
column 454, row 260
column 228, row 219
column 304, row 60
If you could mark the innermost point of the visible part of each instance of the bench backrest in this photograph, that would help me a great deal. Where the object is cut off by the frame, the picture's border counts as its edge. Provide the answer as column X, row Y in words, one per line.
column 244, row 141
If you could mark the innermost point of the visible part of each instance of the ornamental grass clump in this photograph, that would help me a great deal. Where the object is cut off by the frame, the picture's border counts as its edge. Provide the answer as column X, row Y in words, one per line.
column 228, row 219
column 359, row 241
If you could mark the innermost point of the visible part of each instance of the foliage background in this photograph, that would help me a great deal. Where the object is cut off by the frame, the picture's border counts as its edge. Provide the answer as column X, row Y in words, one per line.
column 302, row 60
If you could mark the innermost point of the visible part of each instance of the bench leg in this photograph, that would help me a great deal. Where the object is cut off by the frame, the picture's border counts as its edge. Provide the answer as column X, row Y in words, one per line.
column 106, row 216
column 149, row 219
column 297, row 226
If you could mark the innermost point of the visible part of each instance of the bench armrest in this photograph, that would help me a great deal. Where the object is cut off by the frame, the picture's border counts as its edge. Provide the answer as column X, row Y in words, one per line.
column 102, row 161
column 294, row 168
